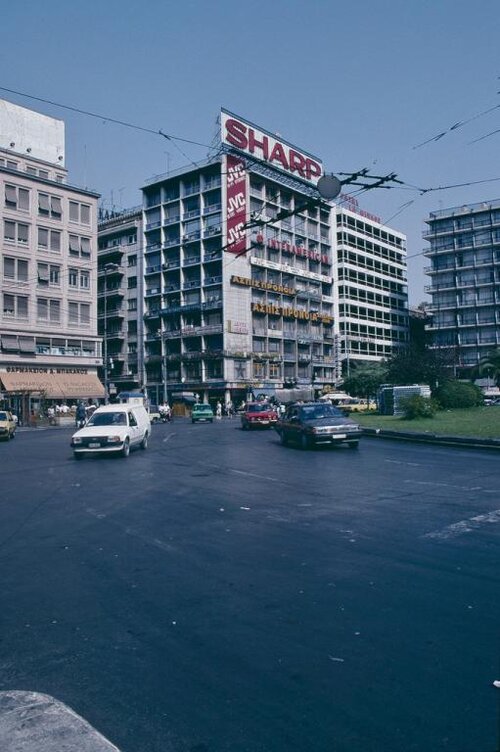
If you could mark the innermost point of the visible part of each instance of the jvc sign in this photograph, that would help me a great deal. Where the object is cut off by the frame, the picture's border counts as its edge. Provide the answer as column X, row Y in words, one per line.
column 236, row 204
column 261, row 145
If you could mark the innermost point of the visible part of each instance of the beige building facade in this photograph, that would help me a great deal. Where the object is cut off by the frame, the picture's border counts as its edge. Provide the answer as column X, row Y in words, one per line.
column 49, row 346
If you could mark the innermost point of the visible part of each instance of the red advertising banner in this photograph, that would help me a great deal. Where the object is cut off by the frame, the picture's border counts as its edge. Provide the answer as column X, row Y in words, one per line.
column 236, row 204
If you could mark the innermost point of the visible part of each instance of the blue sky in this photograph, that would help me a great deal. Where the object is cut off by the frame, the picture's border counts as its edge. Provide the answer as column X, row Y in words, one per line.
column 357, row 83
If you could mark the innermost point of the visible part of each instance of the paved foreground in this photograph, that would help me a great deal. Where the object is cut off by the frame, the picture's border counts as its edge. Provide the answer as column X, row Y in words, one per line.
column 220, row 592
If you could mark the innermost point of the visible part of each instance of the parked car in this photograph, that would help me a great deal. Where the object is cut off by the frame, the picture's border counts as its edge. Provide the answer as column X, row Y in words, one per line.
column 258, row 415
column 114, row 429
column 202, row 412
column 7, row 425
column 154, row 414
column 317, row 423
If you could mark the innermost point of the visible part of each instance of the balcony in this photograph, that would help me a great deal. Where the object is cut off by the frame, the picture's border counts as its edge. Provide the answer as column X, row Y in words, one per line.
column 153, row 247
column 191, row 213
column 153, row 269
column 172, row 334
column 192, row 283
column 212, row 208
column 171, row 242
column 171, row 288
column 212, row 256
column 109, row 272
column 213, row 183
column 152, row 292
column 112, row 291
column 210, row 231
column 152, row 226
column 171, row 264
column 191, row 237
column 192, row 260
column 212, row 280
column 172, row 220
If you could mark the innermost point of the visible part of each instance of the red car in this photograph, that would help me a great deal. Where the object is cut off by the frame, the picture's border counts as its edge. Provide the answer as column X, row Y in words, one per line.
column 258, row 415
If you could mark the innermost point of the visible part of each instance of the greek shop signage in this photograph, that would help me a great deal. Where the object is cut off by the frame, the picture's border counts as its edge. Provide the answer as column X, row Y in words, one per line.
column 295, row 250
column 290, row 313
column 262, row 285
column 28, row 369
column 264, row 146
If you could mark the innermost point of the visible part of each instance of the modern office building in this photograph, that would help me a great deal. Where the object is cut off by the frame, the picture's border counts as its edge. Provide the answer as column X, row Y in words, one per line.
column 233, row 303
column 464, row 253
column 48, row 322
column 121, row 299
column 254, row 283
column 372, row 292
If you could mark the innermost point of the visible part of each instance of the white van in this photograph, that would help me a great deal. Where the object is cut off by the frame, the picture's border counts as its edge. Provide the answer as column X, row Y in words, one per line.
column 113, row 428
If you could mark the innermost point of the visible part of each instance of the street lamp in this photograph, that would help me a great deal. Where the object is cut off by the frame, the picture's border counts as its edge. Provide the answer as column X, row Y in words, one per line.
column 107, row 268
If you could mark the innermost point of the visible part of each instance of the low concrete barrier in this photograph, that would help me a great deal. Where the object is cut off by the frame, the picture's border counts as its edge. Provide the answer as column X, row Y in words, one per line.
column 34, row 722
column 432, row 438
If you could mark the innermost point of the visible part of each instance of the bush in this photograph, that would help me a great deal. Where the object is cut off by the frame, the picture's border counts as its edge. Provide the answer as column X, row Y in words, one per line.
column 417, row 406
column 459, row 394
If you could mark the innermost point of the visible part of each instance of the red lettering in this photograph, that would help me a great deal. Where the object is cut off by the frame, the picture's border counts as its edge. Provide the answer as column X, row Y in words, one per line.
column 253, row 143
column 297, row 163
column 236, row 133
column 278, row 155
column 313, row 169
column 259, row 239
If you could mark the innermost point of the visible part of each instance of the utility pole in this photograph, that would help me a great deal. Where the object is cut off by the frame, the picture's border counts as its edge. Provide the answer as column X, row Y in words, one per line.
column 107, row 268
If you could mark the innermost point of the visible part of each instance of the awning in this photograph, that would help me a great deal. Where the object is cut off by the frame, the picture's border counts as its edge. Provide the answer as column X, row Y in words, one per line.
column 53, row 385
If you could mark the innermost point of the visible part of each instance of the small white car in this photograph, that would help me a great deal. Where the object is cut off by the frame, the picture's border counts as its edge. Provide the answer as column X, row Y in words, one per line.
column 113, row 429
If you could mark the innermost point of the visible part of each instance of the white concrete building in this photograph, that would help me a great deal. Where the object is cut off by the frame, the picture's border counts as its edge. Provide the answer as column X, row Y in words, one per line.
column 48, row 320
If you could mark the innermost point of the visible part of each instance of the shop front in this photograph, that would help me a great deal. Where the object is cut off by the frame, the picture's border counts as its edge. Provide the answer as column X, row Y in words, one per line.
column 30, row 391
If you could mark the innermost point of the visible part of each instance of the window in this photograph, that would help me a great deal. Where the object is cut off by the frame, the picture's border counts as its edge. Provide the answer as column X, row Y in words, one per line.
column 132, row 260
column 131, row 239
column 79, row 213
column 79, row 246
column 15, row 269
column 78, row 314
column 49, row 239
column 17, row 198
column 84, row 280
column 15, row 306
column 73, row 277
column 132, row 304
column 48, row 310
column 240, row 369
column 15, row 232
column 49, row 206
column 132, row 283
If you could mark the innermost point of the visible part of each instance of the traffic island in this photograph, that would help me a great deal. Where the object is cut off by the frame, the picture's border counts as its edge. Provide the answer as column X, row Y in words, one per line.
column 34, row 722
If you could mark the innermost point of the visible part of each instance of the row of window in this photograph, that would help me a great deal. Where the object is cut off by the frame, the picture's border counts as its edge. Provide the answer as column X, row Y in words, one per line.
column 366, row 262
column 371, row 314
column 12, row 164
column 47, row 239
column 47, row 310
column 357, row 293
column 379, row 283
column 51, row 206
column 344, row 238
column 17, row 270
column 367, row 229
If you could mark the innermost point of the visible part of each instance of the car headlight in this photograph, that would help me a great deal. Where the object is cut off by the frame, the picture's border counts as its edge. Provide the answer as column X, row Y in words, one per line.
column 76, row 440
column 114, row 439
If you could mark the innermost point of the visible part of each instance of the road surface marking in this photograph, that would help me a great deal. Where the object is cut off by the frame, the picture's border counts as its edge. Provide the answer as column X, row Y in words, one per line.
column 465, row 526
column 167, row 438
column 253, row 475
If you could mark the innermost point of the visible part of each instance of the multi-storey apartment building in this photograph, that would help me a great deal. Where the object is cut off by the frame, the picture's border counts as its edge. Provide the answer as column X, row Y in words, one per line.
column 121, row 298
column 465, row 271
column 238, row 289
column 48, row 320
column 372, row 293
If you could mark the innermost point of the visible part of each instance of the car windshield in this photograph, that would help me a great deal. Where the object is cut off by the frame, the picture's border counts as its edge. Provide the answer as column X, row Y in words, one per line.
column 261, row 408
column 201, row 408
column 108, row 419
column 3, row 416
column 317, row 412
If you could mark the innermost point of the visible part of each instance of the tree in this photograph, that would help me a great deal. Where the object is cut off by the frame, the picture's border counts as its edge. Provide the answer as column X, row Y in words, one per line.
column 490, row 365
column 365, row 380
column 417, row 366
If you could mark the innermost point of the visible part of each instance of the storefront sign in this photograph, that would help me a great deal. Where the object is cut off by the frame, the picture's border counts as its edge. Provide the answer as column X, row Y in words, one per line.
column 264, row 146
column 236, row 204
column 290, row 313
column 237, row 327
column 290, row 270
column 33, row 369
column 295, row 250
column 352, row 204
column 260, row 285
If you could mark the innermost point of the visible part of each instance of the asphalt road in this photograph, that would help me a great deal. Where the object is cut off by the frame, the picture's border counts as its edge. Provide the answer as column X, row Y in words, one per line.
column 219, row 592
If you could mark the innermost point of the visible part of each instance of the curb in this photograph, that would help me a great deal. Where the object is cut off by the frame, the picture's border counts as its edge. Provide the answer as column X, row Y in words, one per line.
column 35, row 722
column 432, row 438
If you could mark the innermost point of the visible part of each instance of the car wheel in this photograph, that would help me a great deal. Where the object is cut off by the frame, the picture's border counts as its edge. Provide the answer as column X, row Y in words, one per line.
column 305, row 442
column 13, row 435
column 244, row 427
column 353, row 444
column 77, row 456
column 193, row 420
column 144, row 442
column 211, row 420
column 283, row 439
column 126, row 448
